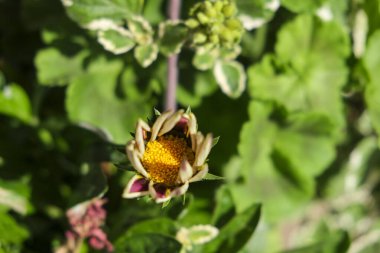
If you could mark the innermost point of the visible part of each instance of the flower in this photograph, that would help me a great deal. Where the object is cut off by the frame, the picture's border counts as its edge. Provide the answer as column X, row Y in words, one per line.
column 167, row 156
column 85, row 220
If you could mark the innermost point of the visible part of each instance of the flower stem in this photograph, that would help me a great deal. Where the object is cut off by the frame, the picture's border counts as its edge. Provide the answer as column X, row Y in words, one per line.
column 170, row 98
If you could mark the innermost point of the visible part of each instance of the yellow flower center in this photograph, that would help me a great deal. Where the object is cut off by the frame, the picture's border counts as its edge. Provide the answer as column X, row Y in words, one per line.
column 163, row 157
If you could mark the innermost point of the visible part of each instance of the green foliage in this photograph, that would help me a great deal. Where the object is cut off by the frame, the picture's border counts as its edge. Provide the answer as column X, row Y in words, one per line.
column 148, row 242
column 372, row 94
column 291, row 87
column 172, row 37
column 55, row 68
column 236, row 232
column 86, row 11
column 101, row 102
column 11, row 233
column 13, row 96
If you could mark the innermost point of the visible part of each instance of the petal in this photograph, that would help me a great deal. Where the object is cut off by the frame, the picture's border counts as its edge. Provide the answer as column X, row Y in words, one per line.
column 158, row 192
column 200, row 175
column 196, row 141
column 137, row 186
column 203, row 151
column 171, row 122
column 192, row 124
column 134, row 159
column 139, row 135
column 158, row 124
column 180, row 190
column 185, row 171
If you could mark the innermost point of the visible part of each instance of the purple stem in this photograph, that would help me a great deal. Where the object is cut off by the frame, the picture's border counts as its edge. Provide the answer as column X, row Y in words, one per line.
column 170, row 98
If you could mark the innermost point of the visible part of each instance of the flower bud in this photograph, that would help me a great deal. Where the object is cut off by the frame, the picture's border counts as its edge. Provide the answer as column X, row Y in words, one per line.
column 203, row 19
column 229, row 10
column 199, row 38
column 233, row 24
column 192, row 23
column 218, row 5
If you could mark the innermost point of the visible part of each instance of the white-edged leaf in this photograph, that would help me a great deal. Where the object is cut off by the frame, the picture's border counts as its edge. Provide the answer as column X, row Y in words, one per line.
column 172, row 36
column 15, row 195
column 117, row 40
column 101, row 24
column 141, row 30
column 201, row 234
column 231, row 77
column 146, row 54
column 205, row 59
column 254, row 14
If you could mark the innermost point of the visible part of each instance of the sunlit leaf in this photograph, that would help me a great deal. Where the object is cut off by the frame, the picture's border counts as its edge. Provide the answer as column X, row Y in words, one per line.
column 231, row 77
column 204, row 60
column 55, row 68
column 15, row 102
column 372, row 94
column 117, row 40
column 86, row 11
column 310, row 59
column 11, row 233
column 280, row 161
column 141, row 30
column 91, row 99
column 256, row 13
column 15, row 195
column 146, row 54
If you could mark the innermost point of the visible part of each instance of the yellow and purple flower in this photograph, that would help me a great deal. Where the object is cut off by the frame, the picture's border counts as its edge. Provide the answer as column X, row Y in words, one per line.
column 167, row 156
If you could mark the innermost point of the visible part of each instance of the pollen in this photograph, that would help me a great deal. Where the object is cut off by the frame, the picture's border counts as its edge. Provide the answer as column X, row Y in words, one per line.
column 163, row 157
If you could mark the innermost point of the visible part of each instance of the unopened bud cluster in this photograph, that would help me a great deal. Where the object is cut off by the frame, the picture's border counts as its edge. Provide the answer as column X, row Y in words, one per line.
column 214, row 24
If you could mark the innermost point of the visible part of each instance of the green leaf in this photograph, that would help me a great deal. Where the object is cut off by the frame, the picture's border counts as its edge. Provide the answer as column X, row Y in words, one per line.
column 56, row 69
column 166, row 227
column 233, row 236
column 146, row 54
column 302, row 6
column 172, row 36
column 117, row 40
column 15, row 195
column 142, row 243
column 86, row 11
column 153, row 11
column 210, row 176
column 355, row 169
column 141, row 30
column 10, row 232
column 191, row 93
column 371, row 61
column 215, row 141
column 293, row 150
column 231, row 77
column 255, row 13
column 204, row 59
column 310, row 58
column 337, row 241
column 224, row 208
column 14, row 102
column 91, row 99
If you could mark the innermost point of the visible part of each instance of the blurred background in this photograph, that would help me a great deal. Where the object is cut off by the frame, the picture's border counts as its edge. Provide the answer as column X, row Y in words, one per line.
column 298, row 148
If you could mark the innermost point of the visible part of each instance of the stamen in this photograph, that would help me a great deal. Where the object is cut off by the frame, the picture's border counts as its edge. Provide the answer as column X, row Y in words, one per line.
column 163, row 157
